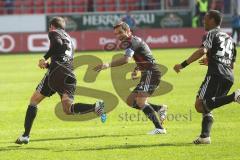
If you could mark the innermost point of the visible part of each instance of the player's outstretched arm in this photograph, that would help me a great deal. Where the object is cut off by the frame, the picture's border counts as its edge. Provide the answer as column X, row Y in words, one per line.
column 195, row 56
column 118, row 62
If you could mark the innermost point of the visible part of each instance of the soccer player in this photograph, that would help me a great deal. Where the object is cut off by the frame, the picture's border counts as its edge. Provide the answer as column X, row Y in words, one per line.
column 150, row 75
column 59, row 78
column 221, row 53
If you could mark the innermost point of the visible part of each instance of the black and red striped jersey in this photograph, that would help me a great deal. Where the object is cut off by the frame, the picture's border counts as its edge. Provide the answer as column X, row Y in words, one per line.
column 141, row 53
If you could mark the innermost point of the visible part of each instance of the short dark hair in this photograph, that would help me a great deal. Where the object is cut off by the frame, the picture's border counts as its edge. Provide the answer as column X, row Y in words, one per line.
column 216, row 15
column 123, row 25
column 57, row 22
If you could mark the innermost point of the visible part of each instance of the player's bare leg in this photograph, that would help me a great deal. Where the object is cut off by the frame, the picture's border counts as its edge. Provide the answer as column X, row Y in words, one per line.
column 131, row 100
column 66, row 104
column 31, row 113
column 199, row 105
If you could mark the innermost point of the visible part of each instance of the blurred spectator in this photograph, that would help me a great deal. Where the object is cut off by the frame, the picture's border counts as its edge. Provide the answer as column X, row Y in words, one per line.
column 195, row 20
column 9, row 6
column 236, row 26
column 129, row 20
column 201, row 8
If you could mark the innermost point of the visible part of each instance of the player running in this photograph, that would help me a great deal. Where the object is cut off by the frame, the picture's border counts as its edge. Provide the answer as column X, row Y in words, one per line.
column 221, row 54
column 150, row 75
column 59, row 78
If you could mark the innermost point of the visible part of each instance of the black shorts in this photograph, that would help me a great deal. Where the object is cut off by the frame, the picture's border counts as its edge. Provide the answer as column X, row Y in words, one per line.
column 149, row 82
column 60, row 80
column 214, row 86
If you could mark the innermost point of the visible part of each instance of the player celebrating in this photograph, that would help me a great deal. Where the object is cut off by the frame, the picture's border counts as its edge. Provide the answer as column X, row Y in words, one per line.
column 59, row 78
column 221, row 53
column 150, row 75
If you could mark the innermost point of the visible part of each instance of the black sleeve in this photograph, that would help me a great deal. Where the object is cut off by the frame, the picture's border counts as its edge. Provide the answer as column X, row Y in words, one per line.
column 55, row 43
column 197, row 7
column 234, row 52
column 234, row 55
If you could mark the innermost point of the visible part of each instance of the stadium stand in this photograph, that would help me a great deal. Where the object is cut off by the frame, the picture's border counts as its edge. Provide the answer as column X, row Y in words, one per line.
column 79, row 6
column 70, row 6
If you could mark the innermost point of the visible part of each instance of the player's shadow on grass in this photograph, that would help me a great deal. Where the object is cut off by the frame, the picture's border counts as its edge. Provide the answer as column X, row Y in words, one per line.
column 20, row 147
column 130, row 146
column 112, row 147
column 82, row 137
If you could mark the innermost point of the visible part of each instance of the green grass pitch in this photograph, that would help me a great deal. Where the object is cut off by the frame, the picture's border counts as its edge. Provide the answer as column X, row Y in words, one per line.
column 120, row 137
